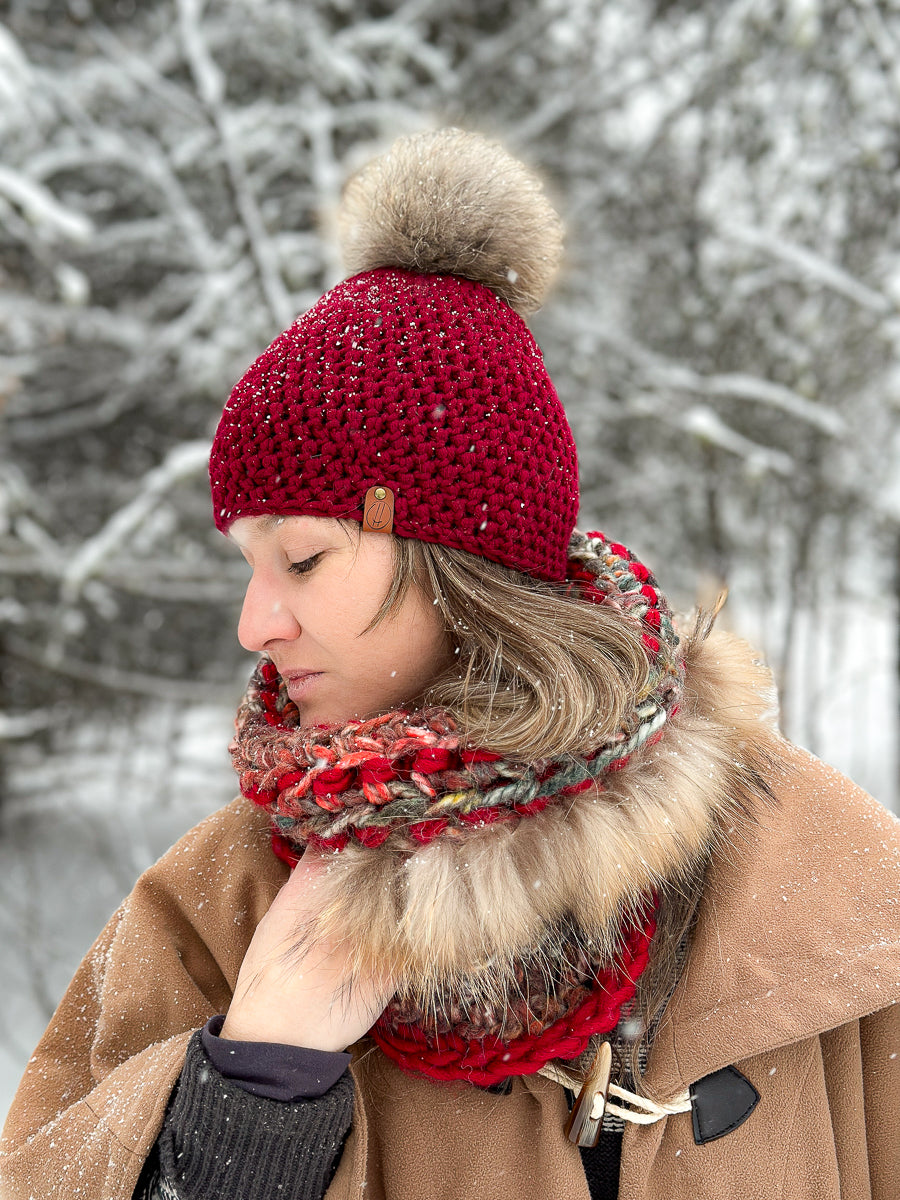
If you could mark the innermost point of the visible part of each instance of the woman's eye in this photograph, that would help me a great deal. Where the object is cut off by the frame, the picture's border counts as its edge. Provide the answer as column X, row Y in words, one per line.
column 301, row 568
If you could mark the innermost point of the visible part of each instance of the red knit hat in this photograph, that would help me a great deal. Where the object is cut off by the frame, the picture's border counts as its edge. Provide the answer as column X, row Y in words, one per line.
column 417, row 375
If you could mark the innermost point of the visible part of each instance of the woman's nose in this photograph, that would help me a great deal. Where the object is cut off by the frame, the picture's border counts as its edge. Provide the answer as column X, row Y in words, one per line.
column 265, row 616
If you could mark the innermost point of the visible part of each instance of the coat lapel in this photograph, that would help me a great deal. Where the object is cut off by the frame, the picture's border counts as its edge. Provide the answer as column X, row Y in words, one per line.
column 798, row 930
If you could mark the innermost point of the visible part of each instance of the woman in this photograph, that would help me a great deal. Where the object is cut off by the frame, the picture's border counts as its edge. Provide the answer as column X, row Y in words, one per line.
column 554, row 857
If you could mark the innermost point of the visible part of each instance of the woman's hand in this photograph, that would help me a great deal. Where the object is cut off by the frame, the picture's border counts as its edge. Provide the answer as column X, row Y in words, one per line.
column 301, row 999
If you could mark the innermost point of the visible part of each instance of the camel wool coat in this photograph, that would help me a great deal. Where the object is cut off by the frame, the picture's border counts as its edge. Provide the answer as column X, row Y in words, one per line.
column 792, row 976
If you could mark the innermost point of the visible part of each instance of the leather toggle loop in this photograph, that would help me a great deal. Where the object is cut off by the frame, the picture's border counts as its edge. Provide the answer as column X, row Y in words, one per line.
column 720, row 1103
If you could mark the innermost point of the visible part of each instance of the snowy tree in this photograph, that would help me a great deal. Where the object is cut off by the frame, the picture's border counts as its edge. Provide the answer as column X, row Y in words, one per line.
column 724, row 338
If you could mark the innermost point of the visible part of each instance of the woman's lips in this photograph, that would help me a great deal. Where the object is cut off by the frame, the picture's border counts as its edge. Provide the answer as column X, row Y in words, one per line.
column 299, row 682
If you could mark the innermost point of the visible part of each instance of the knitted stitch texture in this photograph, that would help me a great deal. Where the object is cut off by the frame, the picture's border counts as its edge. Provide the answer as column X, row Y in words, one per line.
column 427, row 384
column 590, row 1005
column 219, row 1140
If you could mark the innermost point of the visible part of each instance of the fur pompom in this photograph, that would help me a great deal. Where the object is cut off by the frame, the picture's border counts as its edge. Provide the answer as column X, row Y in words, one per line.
column 451, row 202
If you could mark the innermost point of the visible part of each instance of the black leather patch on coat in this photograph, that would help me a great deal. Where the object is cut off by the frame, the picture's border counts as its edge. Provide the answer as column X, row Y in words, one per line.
column 720, row 1102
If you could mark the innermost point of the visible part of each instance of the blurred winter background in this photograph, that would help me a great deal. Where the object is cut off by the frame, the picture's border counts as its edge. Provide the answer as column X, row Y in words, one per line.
column 725, row 339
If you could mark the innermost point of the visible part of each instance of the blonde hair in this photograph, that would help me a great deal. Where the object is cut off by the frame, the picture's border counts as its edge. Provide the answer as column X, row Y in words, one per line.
column 537, row 673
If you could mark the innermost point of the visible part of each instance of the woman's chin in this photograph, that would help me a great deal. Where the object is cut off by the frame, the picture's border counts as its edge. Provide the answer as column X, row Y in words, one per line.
column 327, row 716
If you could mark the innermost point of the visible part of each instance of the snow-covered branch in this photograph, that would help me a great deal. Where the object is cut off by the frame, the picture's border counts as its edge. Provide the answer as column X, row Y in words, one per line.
column 15, row 726
column 184, row 462
column 707, row 426
column 52, row 219
column 211, row 87
column 100, row 675
column 327, row 178
column 809, row 265
column 664, row 374
column 142, row 69
column 399, row 33
column 747, row 387
column 882, row 40
column 153, row 578
column 207, row 76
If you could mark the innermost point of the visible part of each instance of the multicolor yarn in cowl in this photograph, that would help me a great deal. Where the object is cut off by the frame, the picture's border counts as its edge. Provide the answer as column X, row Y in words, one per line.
column 407, row 777
column 541, row 1023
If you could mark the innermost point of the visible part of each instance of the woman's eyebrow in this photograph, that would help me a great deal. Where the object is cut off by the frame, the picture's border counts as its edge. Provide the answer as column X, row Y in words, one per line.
column 266, row 525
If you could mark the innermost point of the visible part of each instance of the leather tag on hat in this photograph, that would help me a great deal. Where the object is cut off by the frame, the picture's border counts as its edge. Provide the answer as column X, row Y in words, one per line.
column 378, row 513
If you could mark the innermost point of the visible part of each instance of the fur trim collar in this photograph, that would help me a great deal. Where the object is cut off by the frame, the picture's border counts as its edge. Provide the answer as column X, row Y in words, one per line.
column 457, row 909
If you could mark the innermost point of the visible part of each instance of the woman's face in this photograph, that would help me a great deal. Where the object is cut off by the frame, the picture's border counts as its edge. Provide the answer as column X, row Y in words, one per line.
column 314, row 589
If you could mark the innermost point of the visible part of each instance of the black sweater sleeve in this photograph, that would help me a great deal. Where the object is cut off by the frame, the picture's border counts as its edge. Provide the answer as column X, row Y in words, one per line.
column 221, row 1139
column 275, row 1071
column 218, row 1139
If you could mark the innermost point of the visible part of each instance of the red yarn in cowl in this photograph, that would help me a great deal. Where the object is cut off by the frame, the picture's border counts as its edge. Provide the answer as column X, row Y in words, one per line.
column 427, row 384
column 491, row 1060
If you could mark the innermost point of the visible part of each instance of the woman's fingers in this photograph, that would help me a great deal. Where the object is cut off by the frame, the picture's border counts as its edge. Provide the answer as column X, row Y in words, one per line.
column 296, row 989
